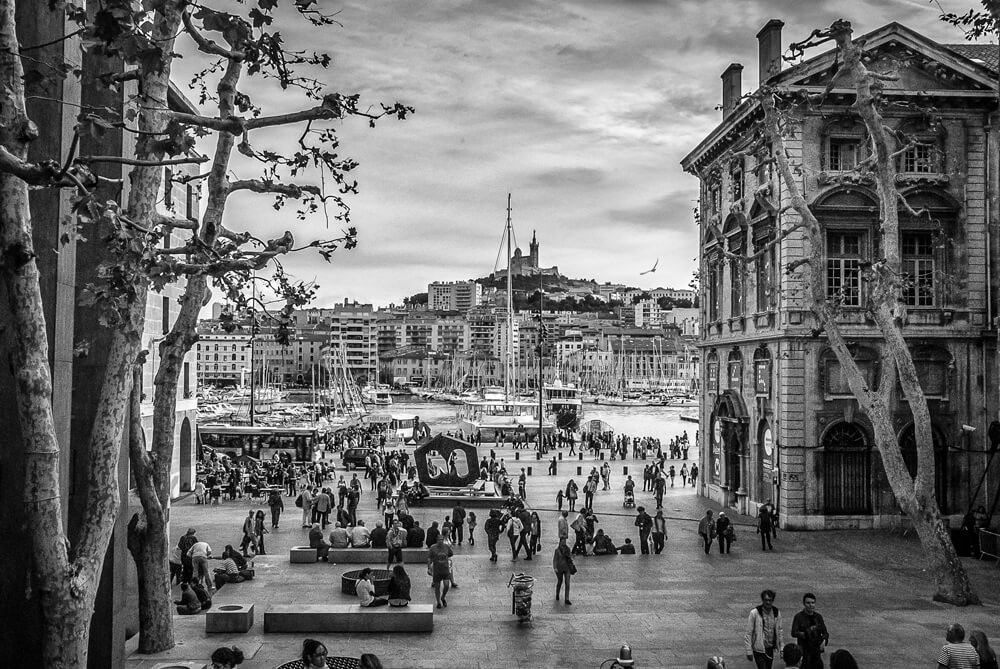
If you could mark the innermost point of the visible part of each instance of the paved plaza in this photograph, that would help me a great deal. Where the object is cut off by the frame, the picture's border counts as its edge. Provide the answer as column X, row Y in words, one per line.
column 674, row 609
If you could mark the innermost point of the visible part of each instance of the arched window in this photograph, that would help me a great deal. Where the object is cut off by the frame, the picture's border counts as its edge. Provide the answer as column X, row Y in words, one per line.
column 713, row 270
column 848, row 215
column 924, row 248
column 846, row 470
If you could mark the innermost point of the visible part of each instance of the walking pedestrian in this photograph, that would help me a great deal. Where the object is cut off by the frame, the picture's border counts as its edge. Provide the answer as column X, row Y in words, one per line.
column 493, row 528
column 809, row 629
column 659, row 487
column 571, row 494
column 306, row 500
column 439, row 565
column 471, row 520
column 724, row 530
column 764, row 527
column 684, row 475
column 559, row 499
column 694, row 474
column 764, row 633
column 562, row 564
column 706, row 528
column 673, row 473
column 588, row 492
column 259, row 531
column 659, row 531
column 535, row 533
column 249, row 536
column 276, row 505
column 515, row 528
column 645, row 525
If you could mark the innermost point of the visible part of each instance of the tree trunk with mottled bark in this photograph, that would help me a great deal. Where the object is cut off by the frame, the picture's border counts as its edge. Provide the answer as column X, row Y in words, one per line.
column 915, row 494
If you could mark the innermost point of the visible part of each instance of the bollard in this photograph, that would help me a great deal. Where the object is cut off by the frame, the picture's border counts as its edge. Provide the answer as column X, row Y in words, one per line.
column 529, row 471
column 560, row 455
column 624, row 471
column 538, row 455
column 581, row 455
column 602, row 455
column 517, row 455
column 579, row 471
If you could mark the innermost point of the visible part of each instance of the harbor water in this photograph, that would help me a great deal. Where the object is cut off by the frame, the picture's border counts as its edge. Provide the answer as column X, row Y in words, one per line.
column 660, row 422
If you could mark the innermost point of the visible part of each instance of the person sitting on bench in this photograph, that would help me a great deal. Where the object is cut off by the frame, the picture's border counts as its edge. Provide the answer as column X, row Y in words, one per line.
column 366, row 590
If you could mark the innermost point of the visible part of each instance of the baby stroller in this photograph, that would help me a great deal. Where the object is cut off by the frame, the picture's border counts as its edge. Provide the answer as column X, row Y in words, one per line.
column 629, row 502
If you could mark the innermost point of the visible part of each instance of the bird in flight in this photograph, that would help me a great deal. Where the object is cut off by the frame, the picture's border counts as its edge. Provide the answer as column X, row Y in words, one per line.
column 649, row 271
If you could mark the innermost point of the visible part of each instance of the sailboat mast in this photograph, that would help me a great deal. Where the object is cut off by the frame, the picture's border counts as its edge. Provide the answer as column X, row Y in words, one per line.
column 508, row 372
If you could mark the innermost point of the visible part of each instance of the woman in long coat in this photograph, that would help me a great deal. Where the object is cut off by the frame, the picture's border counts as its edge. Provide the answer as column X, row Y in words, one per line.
column 562, row 564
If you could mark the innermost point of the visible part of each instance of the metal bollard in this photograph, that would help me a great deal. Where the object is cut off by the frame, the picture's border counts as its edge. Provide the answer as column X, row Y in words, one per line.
column 560, row 455
column 579, row 471
column 581, row 455
column 602, row 455
column 624, row 471
column 517, row 455
column 529, row 471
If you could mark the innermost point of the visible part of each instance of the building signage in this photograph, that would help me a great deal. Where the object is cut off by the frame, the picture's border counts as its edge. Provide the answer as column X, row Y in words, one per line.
column 767, row 446
column 716, row 450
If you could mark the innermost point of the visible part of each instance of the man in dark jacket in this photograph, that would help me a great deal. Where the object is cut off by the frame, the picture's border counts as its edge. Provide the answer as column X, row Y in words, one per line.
column 724, row 530
column 645, row 525
column 378, row 535
column 458, row 523
column 415, row 536
column 493, row 528
column 187, row 565
column 432, row 533
column 810, row 631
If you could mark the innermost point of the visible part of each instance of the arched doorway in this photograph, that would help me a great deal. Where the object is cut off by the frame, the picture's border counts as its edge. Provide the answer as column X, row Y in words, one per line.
column 729, row 440
column 186, row 451
column 908, row 448
column 846, row 470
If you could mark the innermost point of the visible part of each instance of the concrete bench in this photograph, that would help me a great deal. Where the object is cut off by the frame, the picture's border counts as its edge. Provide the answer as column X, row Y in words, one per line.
column 302, row 554
column 229, row 618
column 374, row 555
column 349, row 618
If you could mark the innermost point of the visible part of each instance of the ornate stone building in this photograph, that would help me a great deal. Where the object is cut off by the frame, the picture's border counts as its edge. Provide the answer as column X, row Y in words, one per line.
column 779, row 422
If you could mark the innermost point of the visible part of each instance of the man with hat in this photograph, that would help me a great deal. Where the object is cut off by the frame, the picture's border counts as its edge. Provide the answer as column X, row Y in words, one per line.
column 184, row 544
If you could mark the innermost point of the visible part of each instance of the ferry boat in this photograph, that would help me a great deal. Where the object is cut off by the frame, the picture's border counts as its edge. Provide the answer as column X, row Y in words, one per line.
column 493, row 412
column 400, row 428
column 563, row 404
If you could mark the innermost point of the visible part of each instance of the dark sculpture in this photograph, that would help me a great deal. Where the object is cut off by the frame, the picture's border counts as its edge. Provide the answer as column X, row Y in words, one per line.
column 446, row 461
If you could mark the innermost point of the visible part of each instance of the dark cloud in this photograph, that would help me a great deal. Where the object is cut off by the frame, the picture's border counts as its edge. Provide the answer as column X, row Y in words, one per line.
column 570, row 176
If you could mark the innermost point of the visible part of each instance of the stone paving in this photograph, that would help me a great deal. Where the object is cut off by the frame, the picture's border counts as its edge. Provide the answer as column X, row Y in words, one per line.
column 674, row 609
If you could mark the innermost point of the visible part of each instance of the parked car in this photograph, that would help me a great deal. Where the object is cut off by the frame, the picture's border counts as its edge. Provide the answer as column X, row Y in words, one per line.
column 355, row 457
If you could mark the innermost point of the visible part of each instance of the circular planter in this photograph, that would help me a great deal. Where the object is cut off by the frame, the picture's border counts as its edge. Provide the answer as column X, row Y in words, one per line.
column 380, row 579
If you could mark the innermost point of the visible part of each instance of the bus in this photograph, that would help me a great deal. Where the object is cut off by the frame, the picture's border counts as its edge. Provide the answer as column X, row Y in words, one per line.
column 261, row 443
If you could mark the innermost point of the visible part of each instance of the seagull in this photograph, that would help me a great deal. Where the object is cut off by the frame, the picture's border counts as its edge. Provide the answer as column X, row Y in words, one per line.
column 649, row 271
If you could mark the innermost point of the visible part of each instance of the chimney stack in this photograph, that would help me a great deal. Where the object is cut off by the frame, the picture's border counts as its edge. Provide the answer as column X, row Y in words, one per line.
column 769, row 41
column 732, row 88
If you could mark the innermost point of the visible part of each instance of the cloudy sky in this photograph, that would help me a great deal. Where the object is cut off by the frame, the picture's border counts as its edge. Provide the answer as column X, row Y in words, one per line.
column 581, row 109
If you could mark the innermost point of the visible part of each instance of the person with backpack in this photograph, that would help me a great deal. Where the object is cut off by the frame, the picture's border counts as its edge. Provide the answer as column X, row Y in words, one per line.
column 493, row 528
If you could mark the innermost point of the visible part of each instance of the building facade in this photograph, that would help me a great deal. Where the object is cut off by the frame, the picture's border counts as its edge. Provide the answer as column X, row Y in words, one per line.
column 454, row 295
column 778, row 420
